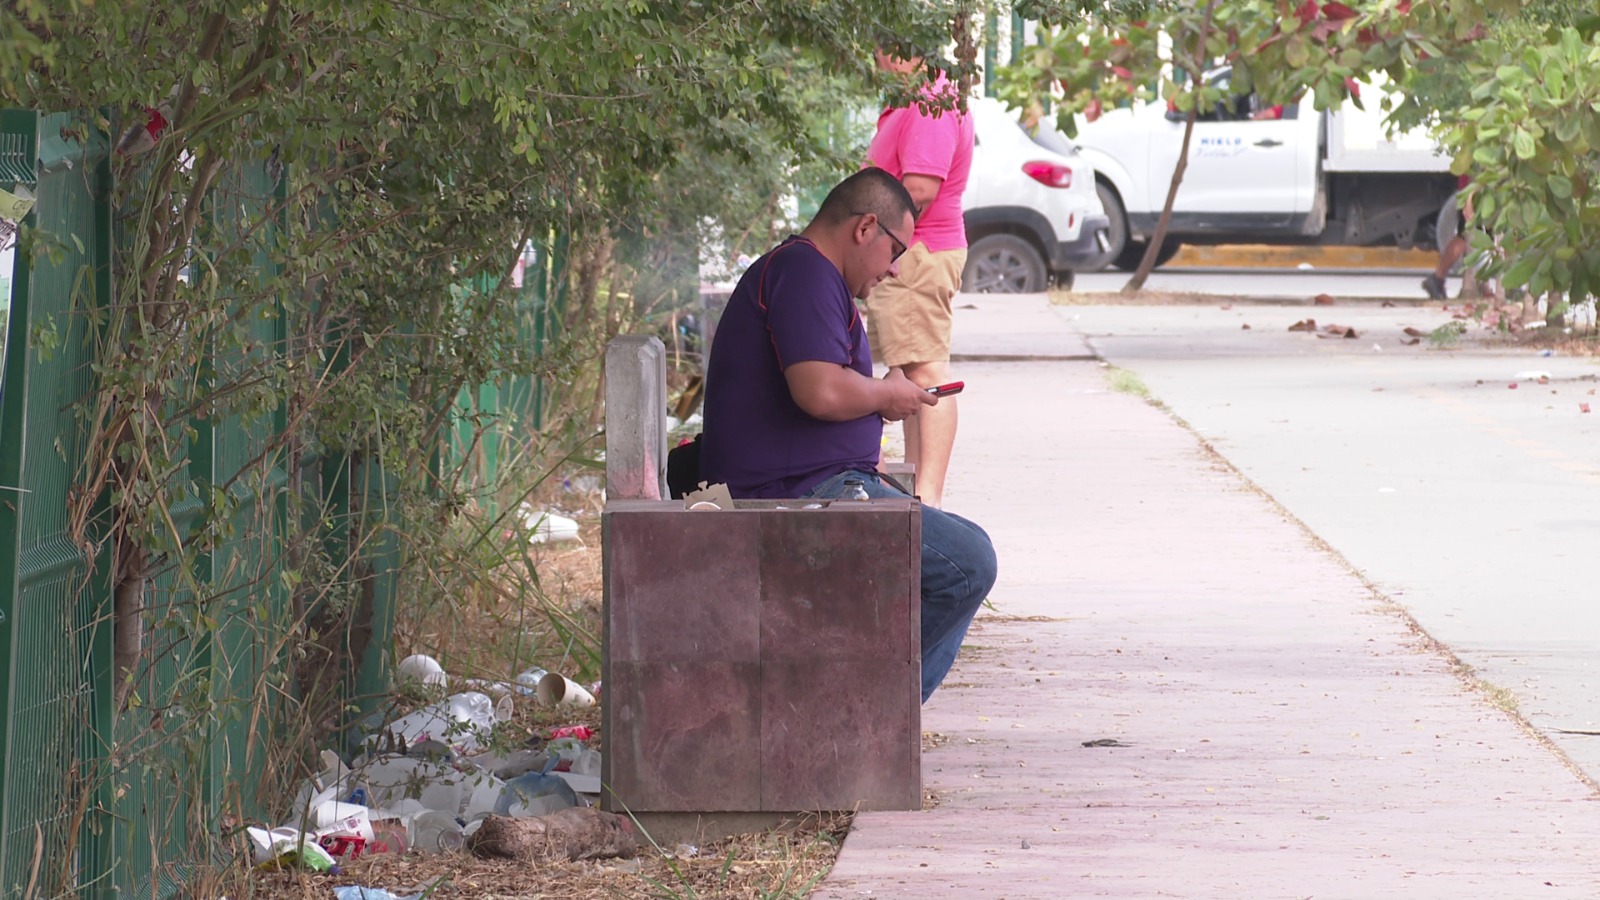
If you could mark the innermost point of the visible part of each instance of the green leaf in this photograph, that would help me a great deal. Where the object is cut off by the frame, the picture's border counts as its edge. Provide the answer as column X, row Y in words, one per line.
column 1523, row 144
column 1520, row 271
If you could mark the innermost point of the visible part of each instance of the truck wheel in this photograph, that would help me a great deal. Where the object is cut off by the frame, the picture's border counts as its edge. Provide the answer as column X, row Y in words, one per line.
column 1003, row 264
column 1133, row 254
column 1116, row 232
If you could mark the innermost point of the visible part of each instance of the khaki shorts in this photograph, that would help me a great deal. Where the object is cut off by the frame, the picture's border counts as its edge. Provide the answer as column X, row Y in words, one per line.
column 908, row 316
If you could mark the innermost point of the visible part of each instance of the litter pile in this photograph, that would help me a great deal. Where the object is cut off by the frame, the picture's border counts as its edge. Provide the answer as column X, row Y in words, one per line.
column 435, row 781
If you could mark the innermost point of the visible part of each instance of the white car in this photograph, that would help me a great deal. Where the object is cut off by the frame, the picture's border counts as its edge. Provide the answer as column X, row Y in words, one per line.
column 1032, row 214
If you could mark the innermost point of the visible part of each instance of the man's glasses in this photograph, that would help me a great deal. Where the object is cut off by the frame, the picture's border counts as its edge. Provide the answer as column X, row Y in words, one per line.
column 900, row 246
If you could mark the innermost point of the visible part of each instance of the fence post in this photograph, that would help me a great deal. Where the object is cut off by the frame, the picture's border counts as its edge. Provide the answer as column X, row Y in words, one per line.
column 636, row 413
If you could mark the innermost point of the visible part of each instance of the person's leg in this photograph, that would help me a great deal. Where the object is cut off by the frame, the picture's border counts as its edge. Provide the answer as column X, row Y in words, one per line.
column 1450, row 254
column 909, row 328
column 1453, row 250
column 931, row 433
column 958, row 570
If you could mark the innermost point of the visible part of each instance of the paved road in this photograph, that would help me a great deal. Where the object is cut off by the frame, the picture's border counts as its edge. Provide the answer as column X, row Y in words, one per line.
column 1474, row 505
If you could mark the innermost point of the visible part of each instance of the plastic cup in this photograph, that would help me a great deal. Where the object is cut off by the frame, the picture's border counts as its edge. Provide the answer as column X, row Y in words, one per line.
column 423, row 668
column 435, row 832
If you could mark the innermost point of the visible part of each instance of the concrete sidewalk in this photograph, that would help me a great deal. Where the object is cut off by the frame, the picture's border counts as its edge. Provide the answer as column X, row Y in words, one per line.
column 1280, row 730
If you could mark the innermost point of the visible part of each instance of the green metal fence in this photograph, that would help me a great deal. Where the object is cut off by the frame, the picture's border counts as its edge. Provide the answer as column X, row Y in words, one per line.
column 55, row 648
column 74, row 819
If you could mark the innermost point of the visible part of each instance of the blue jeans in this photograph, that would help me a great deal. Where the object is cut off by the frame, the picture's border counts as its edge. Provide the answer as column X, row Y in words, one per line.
column 958, row 569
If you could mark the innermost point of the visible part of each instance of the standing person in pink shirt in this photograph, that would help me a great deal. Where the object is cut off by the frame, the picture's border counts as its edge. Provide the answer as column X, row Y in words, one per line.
column 909, row 314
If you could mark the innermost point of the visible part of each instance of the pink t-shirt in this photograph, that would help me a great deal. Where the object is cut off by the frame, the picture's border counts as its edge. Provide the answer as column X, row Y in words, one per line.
column 909, row 140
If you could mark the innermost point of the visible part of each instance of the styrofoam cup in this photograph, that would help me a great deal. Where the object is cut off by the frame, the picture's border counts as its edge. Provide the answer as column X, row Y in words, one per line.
column 559, row 690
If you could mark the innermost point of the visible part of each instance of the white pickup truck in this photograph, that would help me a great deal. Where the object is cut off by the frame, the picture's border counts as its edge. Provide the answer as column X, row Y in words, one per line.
column 1289, row 176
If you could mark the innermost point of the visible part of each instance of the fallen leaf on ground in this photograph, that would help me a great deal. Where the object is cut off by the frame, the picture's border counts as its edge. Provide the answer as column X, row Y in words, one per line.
column 1583, row 407
column 1411, row 342
column 1322, row 300
column 1245, row 327
column 1343, row 331
column 1388, row 303
column 1414, row 332
column 1304, row 325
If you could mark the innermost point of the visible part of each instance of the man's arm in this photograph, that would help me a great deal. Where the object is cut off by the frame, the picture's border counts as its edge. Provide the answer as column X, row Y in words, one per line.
column 922, row 188
column 836, row 393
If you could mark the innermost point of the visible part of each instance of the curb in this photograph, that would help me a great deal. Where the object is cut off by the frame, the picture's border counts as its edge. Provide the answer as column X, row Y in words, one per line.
column 1292, row 257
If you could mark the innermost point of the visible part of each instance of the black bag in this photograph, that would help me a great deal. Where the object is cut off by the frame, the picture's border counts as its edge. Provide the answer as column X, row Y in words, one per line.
column 683, row 468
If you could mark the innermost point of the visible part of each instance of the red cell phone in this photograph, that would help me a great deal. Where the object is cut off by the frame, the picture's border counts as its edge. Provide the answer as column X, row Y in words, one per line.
column 945, row 390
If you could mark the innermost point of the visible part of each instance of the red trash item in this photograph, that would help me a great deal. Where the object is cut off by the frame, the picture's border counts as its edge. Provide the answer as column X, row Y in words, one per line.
column 581, row 732
column 342, row 844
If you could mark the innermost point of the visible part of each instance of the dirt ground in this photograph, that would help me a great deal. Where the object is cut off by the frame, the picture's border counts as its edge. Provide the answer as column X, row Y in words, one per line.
column 769, row 866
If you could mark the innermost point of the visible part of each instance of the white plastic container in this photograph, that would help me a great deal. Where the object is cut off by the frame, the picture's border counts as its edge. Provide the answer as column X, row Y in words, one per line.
column 434, row 832
column 481, row 799
column 462, row 721
column 394, row 780
column 334, row 817
column 547, row 526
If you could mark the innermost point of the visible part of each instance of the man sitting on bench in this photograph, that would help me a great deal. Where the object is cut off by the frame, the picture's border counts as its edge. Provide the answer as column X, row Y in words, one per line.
column 792, row 409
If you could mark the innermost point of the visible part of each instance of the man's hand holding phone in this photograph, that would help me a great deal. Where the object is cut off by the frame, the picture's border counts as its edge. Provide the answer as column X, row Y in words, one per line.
column 905, row 397
column 945, row 390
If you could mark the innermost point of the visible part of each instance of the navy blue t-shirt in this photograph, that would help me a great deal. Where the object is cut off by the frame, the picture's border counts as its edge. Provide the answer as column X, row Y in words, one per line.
column 790, row 306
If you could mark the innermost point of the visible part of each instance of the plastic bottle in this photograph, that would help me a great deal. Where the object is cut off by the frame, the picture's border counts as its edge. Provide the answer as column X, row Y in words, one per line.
column 528, row 682
column 855, row 489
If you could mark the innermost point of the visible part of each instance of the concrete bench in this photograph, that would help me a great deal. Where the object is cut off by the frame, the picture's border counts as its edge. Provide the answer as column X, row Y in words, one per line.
column 757, row 661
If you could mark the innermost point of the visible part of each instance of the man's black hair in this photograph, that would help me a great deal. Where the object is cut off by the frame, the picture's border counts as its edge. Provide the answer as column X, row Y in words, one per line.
column 871, row 190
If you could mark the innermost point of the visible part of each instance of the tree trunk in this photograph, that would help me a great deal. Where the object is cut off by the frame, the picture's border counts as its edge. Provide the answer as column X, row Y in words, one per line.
column 1196, row 76
column 1148, row 263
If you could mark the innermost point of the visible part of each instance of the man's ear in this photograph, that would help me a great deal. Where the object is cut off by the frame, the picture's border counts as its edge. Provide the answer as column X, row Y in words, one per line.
column 866, row 227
